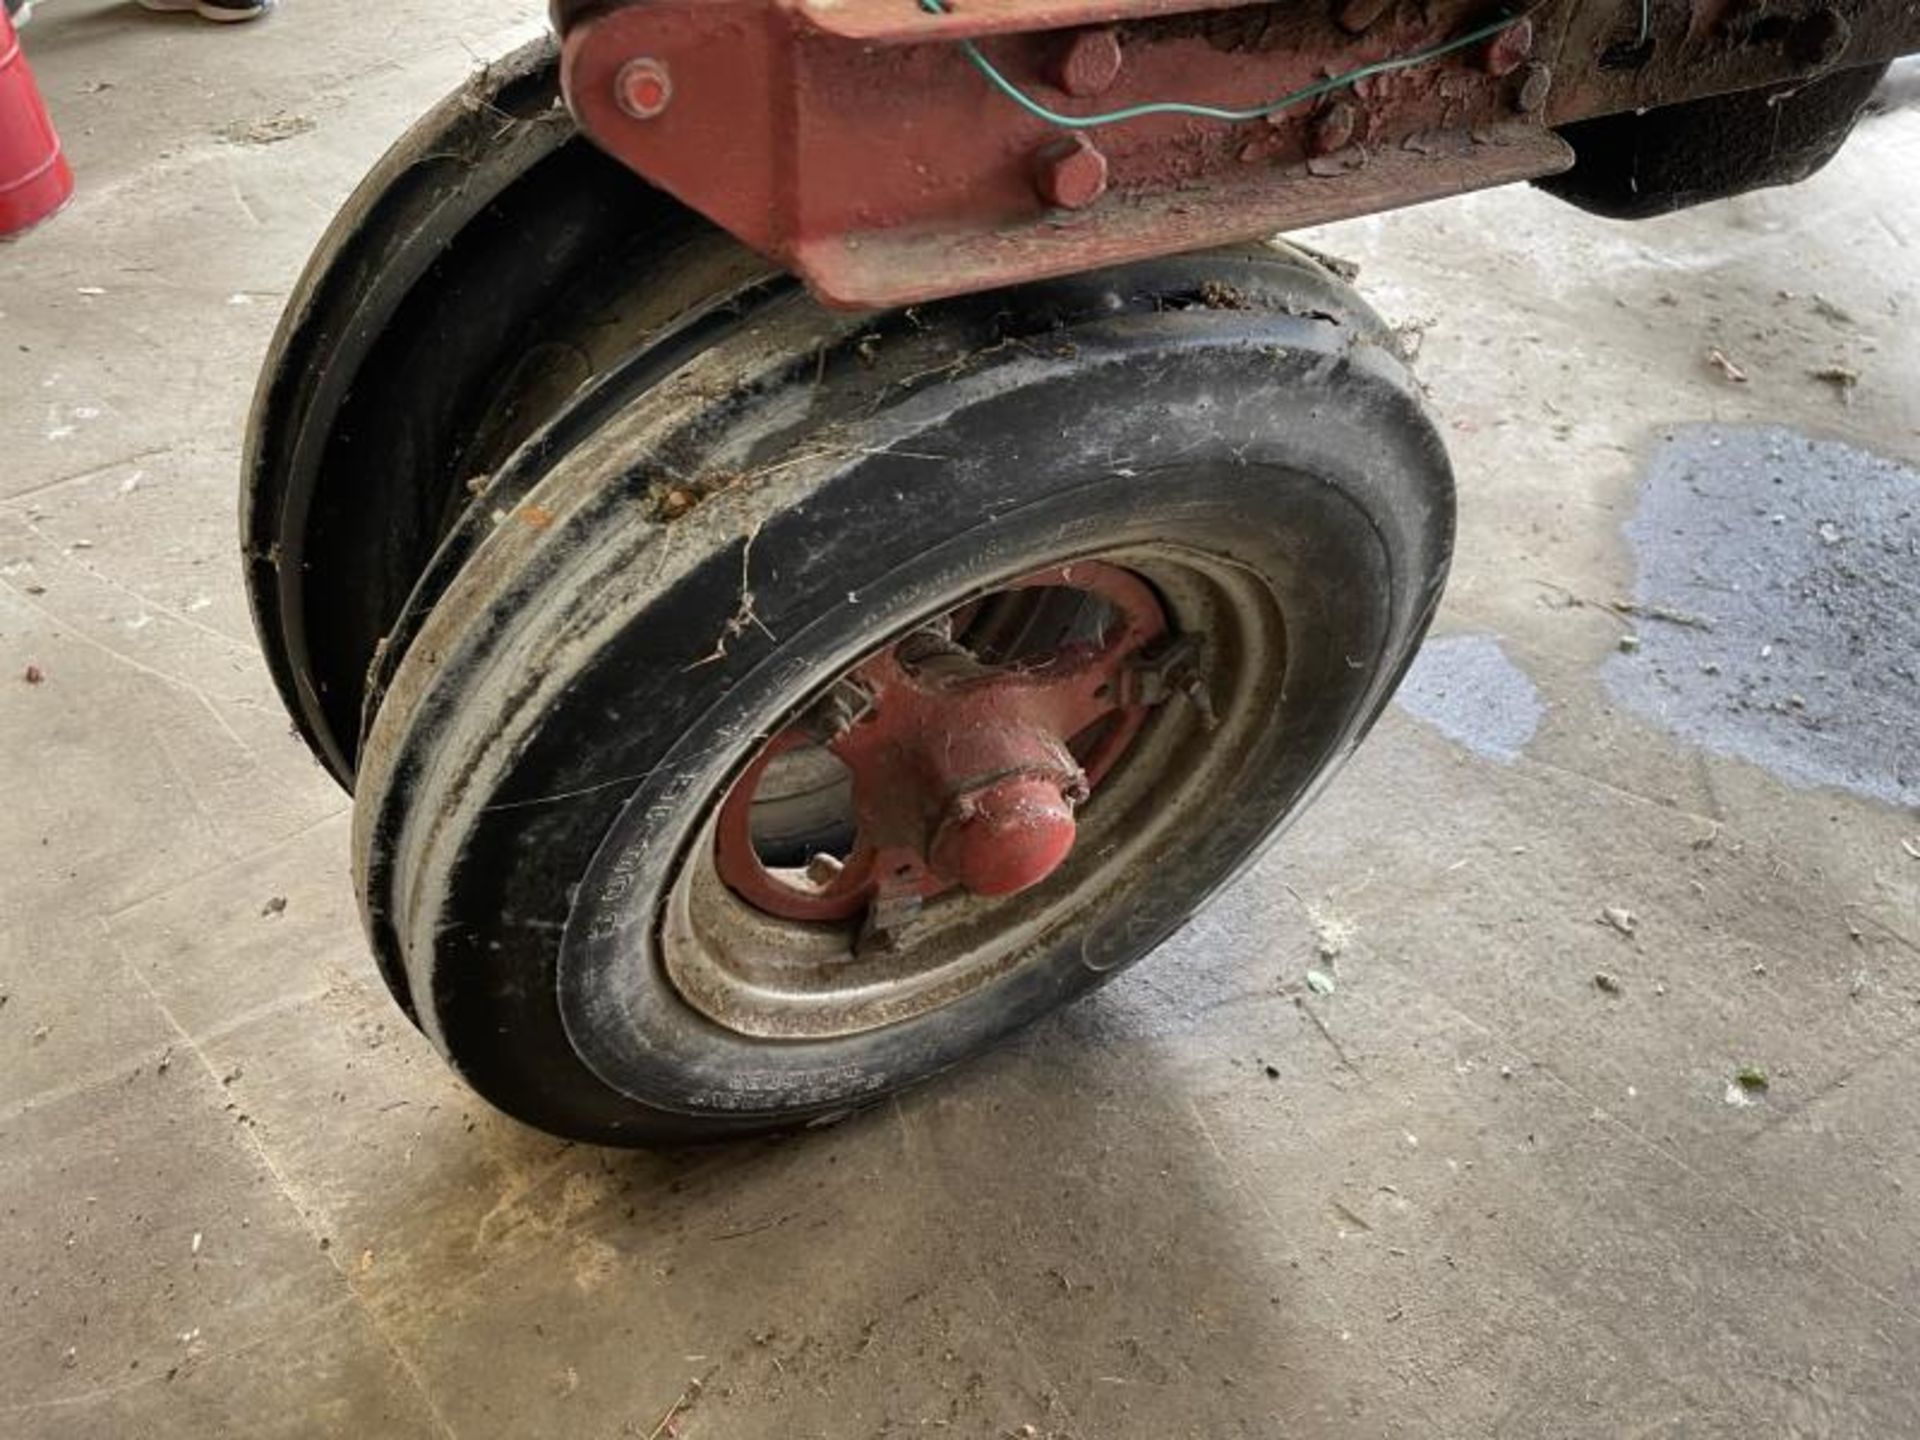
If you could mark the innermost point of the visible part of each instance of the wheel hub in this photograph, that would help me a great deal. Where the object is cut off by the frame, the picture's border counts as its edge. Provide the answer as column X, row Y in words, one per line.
column 1005, row 838
column 966, row 766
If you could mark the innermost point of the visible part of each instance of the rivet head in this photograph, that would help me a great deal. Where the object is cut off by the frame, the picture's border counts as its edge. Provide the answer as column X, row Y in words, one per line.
column 643, row 87
column 1070, row 174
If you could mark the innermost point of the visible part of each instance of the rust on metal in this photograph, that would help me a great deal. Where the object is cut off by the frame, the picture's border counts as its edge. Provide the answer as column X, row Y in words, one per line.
column 1088, row 63
column 1333, row 128
column 1509, row 50
column 964, row 773
column 905, row 266
column 854, row 142
column 1070, row 174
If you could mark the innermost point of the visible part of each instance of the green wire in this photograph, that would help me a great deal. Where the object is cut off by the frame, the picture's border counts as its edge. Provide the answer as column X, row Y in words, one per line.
column 1210, row 112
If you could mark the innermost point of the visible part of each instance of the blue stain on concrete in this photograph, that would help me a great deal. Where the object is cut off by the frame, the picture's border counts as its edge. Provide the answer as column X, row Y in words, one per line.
column 1793, row 565
column 1467, row 689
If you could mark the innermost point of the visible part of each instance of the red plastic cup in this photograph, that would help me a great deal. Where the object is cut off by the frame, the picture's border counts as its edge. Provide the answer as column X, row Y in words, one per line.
column 34, row 178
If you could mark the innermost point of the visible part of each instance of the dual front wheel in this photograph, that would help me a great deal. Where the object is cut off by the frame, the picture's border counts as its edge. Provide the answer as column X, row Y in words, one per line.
column 802, row 702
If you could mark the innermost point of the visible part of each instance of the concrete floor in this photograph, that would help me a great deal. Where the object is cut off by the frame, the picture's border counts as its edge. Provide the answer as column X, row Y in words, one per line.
column 1469, row 1192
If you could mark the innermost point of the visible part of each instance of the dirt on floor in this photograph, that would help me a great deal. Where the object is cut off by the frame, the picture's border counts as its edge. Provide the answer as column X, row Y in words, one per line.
column 1554, row 1077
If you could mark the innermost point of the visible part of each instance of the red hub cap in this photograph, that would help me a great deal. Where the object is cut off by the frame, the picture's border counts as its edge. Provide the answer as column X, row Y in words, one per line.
column 964, row 771
column 1009, row 836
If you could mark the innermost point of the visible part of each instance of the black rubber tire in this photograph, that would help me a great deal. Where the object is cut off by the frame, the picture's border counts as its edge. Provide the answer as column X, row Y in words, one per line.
column 1639, row 164
column 601, row 664
column 490, row 266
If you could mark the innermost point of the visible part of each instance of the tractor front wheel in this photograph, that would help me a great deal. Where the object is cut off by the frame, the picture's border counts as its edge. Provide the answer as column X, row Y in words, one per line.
column 849, row 692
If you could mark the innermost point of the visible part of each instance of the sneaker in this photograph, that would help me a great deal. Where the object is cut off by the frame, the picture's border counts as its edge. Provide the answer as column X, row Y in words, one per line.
column 225, row 11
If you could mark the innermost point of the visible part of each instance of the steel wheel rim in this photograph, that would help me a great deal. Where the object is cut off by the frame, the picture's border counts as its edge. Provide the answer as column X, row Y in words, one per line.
column 772, row 977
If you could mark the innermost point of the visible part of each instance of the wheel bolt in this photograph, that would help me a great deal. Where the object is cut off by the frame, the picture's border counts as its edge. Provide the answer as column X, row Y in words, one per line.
column 643, row 87
column 1070, row 174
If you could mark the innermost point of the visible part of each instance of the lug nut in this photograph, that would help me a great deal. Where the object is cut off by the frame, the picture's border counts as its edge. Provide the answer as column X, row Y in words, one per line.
column 1536, row 82
column 1070, row 174
column 1087, row 64
column 1508, row 50
column 643, row 87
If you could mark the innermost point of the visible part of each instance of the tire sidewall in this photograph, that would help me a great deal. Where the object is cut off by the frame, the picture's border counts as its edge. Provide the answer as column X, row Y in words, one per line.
column 1273, row 441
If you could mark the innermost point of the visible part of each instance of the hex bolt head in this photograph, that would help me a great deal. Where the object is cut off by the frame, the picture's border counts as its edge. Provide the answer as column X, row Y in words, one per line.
column 1536, row 83
column 1088, row 63
column 1508, row 50
column 1070, row 174
column 1333, row 128
column 1356, row 17
column 643, row 87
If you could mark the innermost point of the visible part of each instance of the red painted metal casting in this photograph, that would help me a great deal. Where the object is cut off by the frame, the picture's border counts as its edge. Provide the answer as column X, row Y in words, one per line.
column 963, row 773
column 854, row 143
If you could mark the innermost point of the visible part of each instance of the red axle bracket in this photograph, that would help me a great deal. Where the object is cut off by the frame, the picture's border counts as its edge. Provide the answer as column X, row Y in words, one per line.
column 857, row 143
column 861, row 144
